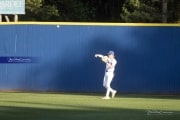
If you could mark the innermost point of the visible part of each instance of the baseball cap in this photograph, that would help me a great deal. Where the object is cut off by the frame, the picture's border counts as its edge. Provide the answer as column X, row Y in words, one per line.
column 111, row 53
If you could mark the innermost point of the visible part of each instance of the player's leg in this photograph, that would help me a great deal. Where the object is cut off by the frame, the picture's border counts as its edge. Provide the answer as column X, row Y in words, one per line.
column 105, row 84
column 109, row 89
column 108, row 84
column 105, row 81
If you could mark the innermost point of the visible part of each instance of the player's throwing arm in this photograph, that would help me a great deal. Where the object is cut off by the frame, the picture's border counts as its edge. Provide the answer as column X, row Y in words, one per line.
column 103, row 58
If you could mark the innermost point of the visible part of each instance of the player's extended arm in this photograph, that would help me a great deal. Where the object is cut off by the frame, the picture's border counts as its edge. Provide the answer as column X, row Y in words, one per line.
column 99, row 55
column 103, row 58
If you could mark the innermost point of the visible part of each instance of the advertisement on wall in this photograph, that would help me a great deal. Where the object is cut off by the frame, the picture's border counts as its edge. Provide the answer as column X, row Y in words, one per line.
column 12, row 6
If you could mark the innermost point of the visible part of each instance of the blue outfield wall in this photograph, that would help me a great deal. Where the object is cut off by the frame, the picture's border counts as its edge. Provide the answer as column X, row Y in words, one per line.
column 148, row 57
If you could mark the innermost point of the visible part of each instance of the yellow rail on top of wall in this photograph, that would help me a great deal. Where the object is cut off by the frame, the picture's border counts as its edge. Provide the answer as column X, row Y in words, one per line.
column 91, row 24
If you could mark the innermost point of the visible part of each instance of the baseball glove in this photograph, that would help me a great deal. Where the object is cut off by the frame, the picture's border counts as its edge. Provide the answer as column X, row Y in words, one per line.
column 104, row 59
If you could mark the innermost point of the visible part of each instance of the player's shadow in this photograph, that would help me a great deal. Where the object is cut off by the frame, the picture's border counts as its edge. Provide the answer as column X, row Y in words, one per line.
column 147, row 68
column 86, row 76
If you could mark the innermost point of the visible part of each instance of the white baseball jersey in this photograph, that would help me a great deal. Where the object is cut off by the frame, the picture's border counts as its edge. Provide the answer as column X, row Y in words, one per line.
column 112, row 62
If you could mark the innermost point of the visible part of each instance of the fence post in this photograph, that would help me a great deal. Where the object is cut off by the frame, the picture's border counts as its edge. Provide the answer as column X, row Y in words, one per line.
column 0, row 18
column 16, row 18
column 7, row 18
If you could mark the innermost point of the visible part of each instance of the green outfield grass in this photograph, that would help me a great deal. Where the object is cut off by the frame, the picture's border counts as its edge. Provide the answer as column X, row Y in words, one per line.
column 66, row 106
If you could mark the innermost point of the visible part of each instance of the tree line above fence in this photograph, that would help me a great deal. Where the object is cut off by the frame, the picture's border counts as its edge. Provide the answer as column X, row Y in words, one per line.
column 148, row 11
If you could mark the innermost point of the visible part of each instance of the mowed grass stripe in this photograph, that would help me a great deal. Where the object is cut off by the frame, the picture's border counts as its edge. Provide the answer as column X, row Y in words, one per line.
column 81, row 106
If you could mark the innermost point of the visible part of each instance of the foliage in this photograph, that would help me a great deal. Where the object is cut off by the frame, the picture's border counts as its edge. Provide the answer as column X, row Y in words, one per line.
column 71, row 10
column 100, row 10
column 173, row 10
column 33, row 5
column 139, row 11
column 36, row 11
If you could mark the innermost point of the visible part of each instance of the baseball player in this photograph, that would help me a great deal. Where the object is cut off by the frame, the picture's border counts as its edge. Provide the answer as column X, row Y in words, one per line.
column 110, row 62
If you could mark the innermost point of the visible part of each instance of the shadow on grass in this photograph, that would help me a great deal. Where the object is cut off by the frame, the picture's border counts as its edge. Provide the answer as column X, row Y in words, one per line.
column 81, row 113
column 100, row 94
column 174, row 97
column 64, row 110
column 151, row 96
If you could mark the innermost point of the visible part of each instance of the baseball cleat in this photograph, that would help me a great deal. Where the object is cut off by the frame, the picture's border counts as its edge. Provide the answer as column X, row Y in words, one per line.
column 106, row 98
